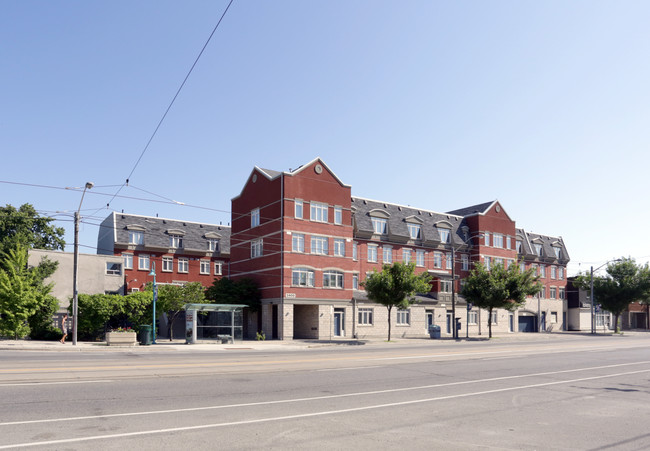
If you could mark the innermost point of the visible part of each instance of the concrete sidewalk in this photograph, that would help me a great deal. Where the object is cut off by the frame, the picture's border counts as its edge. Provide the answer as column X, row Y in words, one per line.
column 164, row 345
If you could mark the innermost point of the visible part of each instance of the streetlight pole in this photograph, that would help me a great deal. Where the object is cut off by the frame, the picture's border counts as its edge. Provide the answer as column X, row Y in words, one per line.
column 75, row 299
column 591, row 293
column 454, row 329
column 155, row 298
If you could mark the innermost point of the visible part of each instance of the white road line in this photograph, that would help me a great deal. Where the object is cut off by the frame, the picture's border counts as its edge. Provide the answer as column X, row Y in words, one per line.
column 19, row 384
column 348, row 368
column 313, row 414
column 316, row 398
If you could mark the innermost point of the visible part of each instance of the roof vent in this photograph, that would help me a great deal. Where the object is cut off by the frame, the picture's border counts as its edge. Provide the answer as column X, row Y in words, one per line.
column 399, row 208
column 419, row 212
column 365, row 202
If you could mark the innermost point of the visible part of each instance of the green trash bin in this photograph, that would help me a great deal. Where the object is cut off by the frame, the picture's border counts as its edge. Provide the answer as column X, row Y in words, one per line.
column 145, row 335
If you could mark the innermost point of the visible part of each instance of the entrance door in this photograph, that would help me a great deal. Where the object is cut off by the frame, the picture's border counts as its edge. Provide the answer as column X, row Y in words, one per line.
column 339, row 322
column 448, row 322
column 511, row 322
column 429, row 319
column 543, row 321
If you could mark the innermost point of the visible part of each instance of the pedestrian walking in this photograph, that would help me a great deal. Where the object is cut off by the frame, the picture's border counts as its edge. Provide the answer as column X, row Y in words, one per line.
column 64, row 328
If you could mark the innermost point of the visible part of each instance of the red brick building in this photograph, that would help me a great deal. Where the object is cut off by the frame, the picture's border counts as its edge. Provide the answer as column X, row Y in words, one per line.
column 181, row 251
column 309, row 244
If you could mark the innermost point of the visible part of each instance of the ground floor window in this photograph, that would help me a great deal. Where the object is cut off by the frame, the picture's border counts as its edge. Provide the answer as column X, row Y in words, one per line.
column 472, row 318
column 554, row 317
column 403, row 317
column 494, row 317
column 365, row 316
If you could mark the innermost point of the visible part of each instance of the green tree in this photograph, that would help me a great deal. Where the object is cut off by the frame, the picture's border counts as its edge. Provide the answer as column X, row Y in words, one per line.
column 624, row 283
column 25, row 227
column 99, row 313
column 172, row 299
column 242, row 291
column 21, row 293
column 499, row 288
column 395, row 286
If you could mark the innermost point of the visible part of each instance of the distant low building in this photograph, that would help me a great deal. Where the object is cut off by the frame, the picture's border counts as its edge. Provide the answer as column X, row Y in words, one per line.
column 97, row 274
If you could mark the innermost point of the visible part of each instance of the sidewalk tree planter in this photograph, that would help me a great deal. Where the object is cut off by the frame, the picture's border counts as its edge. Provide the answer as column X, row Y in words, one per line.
column 128, row 338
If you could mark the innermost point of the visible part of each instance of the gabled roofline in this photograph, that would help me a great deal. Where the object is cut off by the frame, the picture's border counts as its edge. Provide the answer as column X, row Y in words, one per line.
column 319, row 159
column 484, row 212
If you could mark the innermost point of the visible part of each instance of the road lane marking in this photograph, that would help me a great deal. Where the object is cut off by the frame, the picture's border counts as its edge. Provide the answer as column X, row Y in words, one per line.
column 313, row 414
column 348, row 368
column 318, row 398
column 18, row 384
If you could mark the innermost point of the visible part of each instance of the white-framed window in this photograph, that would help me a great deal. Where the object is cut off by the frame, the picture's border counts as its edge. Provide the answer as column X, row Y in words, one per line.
column 535, row 269
column 318, row 212
column 415, row 231
column 338, row 215
column 464, row 261
column 444, row 235
column 339, row 247
column 319, row 245
column 355, row 251
column 498, row 261
column 387, row 255
column 553, row 272
column 205, row 267
column 136, row 237
column 355, row 281
column 213, row 245
column 255, row 217
column 553, row 292
column 143, row 262
column 297, row 209
column 560, row 273
column 403, row 317
column 493, row 319
column 488, row 263
column 302, row 277
column 558, row 252
column 218, row 268
column 167, row 264
column 554, row 317
column 448, row 260
column 538, row 249
column 372, row 253
column 298, row 242
column 419, row 257
column 497, row 240
column 542, row 270
column 510, row 262
column 445, row 286
column 175, row 241
column 406, row 255
column 508, row 242
column 380, row 225
column 365, row 315
column 437, row 259
column 472, row 317
column 562, row 293
column 542, row 293
column 522, row 266
column 183, row 265
column 134, row 290
column 257, row 248
column 113, row 269
column 128, row 261
column 487, row 238
column 332, row 279
column 520, row 246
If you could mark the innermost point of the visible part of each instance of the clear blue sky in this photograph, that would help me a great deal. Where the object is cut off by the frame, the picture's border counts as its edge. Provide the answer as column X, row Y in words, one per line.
column 543, row 105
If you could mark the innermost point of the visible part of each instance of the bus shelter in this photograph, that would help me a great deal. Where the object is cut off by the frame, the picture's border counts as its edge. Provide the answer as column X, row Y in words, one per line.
column 216, row 322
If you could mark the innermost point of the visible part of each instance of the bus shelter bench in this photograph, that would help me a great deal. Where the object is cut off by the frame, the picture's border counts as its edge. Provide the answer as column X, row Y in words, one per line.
column 225, row 339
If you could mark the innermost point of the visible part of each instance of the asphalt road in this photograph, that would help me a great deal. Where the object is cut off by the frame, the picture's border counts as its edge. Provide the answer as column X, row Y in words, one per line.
column 589, row 393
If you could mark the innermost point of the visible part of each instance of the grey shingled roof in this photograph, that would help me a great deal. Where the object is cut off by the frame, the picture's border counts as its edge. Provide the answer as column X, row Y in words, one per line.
column 397, row 222
column 548, row 243
column 472, row 210
column 157, row 232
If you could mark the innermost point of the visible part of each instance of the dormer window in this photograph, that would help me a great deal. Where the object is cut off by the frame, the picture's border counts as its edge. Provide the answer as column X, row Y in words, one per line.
column 175, row 241
column 538, row 249
column 380, row 225
column 415, row 231
column 136, row 237
column 213, row 245
column 520, row 246
column 444, row 235
column 558, row 252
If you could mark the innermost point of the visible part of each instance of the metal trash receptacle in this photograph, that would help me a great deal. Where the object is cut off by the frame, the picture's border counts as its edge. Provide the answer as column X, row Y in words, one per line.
column 434, row 331
column 145, row 335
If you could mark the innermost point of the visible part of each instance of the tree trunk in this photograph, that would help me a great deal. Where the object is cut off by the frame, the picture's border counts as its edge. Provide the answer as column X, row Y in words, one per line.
column 389, row 309
column 616, row 315
column 171, row 326
column 490, row 322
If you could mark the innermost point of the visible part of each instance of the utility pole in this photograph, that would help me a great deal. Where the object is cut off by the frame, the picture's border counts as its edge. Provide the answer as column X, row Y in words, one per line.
column 75, row 299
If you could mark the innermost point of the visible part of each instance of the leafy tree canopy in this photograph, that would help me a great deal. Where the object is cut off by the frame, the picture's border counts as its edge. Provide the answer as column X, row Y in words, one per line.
column 395, row 286
column 24, row 226
column 172, row 299
column 242, row 291
column 624, row 283
column 499, row 287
